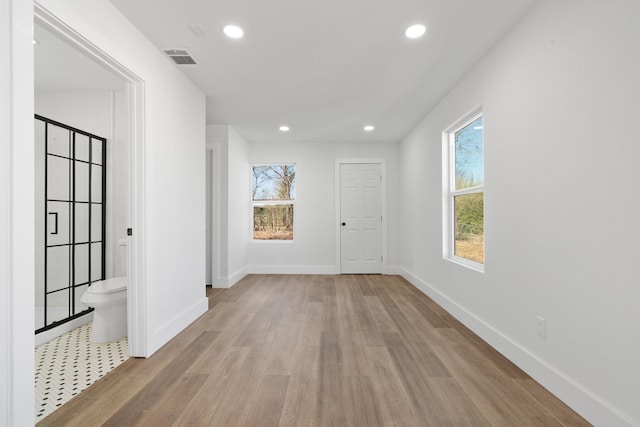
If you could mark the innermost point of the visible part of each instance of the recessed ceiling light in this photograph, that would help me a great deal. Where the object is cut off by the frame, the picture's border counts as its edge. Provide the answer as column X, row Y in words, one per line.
column 233, row 31
column 415, row 31
column 284, row 128
column 369, row 128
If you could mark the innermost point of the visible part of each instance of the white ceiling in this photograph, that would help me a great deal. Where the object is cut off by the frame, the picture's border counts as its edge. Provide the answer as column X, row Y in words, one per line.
column 58, row 66
column 325, row 67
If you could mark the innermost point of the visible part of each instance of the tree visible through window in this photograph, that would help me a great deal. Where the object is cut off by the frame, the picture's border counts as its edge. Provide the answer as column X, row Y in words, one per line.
column 466, row 198
column 273, row 195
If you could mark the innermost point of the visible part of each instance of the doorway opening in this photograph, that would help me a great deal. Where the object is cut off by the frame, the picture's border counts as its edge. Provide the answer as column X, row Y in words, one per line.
column 127, row 103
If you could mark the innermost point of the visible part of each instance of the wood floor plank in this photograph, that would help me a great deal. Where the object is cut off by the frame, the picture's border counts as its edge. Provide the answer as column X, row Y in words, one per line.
column 237, row 396
column 554, row 406
column 268, row 402
column 331, row 392
column 155, row 389
column 203, row 406
column 414, row 378
column 300, row 405
column 314, row 350
column 166, row 409
column 456, row 407
column 361, row 403
column 391, row 396
column 414, row 335
column 491, row 395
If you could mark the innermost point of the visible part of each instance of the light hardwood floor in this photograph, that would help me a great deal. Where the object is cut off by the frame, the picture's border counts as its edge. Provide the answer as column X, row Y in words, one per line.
column 319, row 351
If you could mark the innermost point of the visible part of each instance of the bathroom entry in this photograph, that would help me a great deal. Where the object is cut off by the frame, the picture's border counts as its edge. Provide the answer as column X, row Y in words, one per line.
column 70, row 235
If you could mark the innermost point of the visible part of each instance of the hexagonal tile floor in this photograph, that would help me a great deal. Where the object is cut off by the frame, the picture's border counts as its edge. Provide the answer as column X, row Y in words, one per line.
column 70, row 363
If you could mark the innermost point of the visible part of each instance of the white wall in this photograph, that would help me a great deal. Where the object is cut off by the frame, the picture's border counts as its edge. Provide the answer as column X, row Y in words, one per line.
column 218, row 151
column 173, row 222
column 313, row 250
column 239, row 214
column 560, row 101
column 90, row 111
column 16, row 214
column 229, row 210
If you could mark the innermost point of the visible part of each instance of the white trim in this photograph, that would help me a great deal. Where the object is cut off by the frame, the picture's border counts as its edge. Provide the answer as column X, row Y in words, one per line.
column 109, row 247
column 449, row 193
column 467, row 263
column 383, row 207
column 220, row 284
column 227, row 282
column 237, row 276
column 213, row 153
column 208, row 215
column 17, row 231
column 585, row 402
column 7, row 411
column 137, row 292
column 173, row 327
column 395, row 270
column 294, row 269
column 136, row 213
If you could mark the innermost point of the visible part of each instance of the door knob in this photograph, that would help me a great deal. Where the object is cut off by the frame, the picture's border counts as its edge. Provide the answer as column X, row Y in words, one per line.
column 344, row 223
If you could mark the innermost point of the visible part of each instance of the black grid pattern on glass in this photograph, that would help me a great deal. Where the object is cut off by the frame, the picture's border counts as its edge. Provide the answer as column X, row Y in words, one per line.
column 71, row 242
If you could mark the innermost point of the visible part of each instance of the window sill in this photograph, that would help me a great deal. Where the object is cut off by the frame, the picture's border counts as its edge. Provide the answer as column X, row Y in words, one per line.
column 472, row 265
column 278, row 241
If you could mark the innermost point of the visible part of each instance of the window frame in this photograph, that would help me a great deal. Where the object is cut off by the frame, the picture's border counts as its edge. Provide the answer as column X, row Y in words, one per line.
column 450, row 192
column 271, row 202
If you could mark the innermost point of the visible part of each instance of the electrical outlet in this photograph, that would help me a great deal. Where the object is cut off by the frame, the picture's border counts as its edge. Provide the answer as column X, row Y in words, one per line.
column 541, row 327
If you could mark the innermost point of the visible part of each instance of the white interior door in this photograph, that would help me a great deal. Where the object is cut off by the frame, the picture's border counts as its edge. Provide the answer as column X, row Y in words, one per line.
column 360, row 218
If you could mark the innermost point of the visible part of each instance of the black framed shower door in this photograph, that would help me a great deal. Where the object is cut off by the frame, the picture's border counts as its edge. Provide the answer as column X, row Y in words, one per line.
column 73, row 226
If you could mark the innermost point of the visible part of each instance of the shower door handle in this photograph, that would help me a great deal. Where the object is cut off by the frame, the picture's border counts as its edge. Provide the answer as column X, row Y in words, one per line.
column 55, row 223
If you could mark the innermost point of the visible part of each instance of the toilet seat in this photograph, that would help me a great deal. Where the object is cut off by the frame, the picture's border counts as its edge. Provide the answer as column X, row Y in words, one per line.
column 108, row 286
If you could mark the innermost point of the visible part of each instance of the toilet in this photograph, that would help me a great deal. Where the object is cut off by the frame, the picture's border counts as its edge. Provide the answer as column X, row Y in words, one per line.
column 108, row 298
column 109, row 301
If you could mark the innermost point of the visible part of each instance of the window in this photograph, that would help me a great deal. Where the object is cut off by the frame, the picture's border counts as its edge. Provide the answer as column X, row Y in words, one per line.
column 465, row 196
column 273, row 195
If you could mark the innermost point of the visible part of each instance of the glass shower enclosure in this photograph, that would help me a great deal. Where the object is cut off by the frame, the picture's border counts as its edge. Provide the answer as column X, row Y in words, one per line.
column 70, row 220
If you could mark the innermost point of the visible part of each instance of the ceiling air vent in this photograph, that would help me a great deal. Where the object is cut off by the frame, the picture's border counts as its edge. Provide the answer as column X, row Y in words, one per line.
column 180, row 56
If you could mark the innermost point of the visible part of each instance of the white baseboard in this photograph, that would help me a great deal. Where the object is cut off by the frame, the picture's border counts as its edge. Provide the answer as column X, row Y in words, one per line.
column 227, row 282
column 583, row 401
column 237, row 276
column 394, row 270
column 173, row 327
column 294, row 269
column 220, row 283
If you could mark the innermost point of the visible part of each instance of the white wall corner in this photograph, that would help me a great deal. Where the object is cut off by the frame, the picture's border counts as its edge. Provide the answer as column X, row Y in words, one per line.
column 237, row 276
column 395, row 270
column 585, row 402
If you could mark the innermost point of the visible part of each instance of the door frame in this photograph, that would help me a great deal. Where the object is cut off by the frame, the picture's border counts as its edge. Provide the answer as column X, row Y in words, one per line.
column 383, row 208
column 134, row 98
